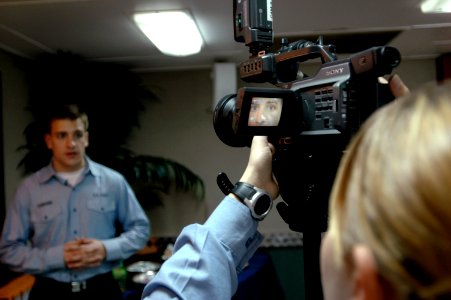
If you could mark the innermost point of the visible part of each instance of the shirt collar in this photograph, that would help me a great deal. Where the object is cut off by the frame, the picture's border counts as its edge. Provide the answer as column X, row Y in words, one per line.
column 47, row 172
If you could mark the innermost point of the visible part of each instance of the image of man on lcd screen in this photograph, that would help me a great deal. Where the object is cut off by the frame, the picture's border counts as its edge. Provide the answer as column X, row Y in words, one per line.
column 265, row 111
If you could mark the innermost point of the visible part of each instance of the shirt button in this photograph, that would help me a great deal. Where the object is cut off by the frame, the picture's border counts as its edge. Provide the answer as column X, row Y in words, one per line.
column 75, row 231
column 74, row 210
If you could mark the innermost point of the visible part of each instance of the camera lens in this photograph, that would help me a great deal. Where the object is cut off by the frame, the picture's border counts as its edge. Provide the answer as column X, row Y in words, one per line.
column 390, row 56
column 223, row 123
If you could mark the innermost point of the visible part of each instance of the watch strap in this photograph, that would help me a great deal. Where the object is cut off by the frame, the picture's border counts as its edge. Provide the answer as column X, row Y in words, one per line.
column 243, row 190
column 258, row 200
column 224, row 183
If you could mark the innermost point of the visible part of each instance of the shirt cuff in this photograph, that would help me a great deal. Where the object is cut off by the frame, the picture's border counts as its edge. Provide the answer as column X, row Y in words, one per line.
column 113, row 249
column 231, row 222
column 55, row 258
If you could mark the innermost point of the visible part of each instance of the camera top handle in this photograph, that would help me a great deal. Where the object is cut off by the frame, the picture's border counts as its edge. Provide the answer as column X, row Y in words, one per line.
column 283, row 65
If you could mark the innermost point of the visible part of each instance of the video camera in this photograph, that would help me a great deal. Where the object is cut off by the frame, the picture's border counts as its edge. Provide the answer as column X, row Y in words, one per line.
column 336, row 100
column 309, row 119
column 306, row 118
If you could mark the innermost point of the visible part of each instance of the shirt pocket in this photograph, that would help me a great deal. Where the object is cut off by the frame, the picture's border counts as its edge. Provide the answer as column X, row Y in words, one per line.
column 45, row 212
column 101, row 205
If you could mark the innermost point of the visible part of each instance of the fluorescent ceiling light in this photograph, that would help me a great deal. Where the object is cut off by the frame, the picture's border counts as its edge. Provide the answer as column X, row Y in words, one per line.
column 436, row 6
column 172, row 32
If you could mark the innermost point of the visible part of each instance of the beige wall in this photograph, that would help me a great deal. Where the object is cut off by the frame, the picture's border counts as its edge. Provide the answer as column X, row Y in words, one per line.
column 15, row 118
column 179, row 127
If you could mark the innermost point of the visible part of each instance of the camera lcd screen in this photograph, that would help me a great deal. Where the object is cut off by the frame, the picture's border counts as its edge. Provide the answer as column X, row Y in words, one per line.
column 265, row 112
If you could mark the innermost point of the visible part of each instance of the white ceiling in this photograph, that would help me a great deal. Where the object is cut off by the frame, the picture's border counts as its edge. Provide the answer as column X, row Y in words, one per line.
column 103, row 30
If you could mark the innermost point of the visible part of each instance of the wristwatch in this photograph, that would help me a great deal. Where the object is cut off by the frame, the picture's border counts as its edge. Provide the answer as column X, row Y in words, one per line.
column 258, row 200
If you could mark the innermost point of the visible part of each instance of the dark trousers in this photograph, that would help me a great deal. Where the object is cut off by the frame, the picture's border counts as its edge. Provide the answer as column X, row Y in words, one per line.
column 102, row 286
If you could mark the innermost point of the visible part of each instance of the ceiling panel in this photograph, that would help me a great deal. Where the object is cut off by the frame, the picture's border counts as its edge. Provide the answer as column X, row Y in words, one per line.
column 103, row 30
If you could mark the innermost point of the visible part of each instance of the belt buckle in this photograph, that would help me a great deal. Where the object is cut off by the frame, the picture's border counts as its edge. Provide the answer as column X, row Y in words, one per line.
column 78, row 286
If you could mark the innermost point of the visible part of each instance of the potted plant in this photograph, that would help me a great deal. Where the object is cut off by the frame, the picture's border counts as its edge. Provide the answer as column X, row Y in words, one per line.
column 113, row 97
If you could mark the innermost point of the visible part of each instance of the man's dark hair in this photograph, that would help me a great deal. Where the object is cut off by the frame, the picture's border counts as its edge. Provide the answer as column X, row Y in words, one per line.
column 69, row 111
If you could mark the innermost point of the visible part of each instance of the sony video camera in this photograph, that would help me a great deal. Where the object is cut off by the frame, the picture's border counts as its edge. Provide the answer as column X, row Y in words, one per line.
column 309, row 119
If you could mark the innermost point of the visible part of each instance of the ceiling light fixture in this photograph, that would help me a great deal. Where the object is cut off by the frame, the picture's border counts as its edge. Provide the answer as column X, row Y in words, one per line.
column 172, row 32
column 436, row 6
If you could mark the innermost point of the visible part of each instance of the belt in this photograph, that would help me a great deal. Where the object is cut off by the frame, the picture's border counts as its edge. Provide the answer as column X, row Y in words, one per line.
column 76, row 286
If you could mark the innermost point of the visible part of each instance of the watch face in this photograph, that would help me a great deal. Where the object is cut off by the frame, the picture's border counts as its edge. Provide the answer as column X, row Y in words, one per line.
column 258, row 201
column 262, row 205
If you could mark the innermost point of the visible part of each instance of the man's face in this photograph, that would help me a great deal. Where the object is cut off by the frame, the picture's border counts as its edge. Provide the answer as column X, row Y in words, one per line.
column 67, row 140
column 265, row 111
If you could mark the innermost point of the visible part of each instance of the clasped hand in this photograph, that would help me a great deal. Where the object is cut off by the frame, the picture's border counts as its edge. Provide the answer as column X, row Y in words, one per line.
column 84, row 253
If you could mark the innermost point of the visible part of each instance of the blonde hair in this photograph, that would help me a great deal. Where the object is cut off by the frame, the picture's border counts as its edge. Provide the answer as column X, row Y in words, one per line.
column 393, row 194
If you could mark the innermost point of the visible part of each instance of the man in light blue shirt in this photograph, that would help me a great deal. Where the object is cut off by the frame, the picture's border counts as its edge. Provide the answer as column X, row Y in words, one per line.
column 63, row 223
column 208, row 257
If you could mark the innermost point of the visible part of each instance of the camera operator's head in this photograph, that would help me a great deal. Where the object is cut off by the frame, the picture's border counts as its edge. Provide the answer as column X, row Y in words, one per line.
column 390, row 228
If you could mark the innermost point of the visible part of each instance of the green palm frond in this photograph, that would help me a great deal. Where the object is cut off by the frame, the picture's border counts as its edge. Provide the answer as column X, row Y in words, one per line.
column 151, row 177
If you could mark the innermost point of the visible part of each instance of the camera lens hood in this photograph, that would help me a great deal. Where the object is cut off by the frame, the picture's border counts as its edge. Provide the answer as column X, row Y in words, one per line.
column 223, row 123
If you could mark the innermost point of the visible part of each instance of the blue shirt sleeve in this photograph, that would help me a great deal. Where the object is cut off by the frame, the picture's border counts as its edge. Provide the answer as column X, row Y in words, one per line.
column 208, row 257
column 15, row 248
column 136, row 226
